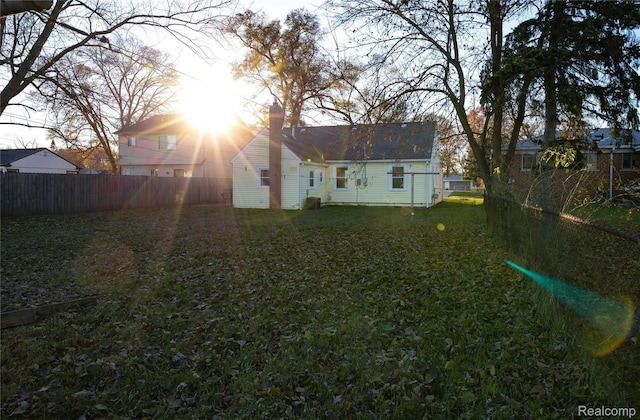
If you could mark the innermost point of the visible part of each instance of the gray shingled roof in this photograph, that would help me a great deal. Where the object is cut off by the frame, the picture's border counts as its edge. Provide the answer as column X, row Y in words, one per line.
column 8, row 156
column 602, row 136
column 158, row 124
column 362, row 142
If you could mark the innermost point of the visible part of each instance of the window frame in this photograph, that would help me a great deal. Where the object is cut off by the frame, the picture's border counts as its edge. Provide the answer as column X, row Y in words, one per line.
column 169, row 141
column 633, row 163
column 527, row 168
column 312, row 179
column 260, row 182
column 132, row 141
column 393, row 177
column 345, row 178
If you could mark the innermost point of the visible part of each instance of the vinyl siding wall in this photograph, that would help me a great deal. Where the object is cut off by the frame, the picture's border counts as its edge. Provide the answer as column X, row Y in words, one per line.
column 146, row 150
column 43, row 162
column 189, row 154
column 370, row 184
column 246, row 193
column 321, row 184
column 290, row 180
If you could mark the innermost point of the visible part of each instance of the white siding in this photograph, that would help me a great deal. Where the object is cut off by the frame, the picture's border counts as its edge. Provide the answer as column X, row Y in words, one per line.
column 369, row 184
column 321, row 185
column 43, row 162
column 290, row 180
column 246, row 193
column 191, row 150
column 436, row 182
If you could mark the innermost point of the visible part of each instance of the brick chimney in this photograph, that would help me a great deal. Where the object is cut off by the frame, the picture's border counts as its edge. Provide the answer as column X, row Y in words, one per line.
column 276, row 120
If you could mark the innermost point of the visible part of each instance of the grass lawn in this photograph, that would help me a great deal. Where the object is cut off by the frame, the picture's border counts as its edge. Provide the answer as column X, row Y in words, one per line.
column 343, row 312
column 465, row 197
column 625, row 218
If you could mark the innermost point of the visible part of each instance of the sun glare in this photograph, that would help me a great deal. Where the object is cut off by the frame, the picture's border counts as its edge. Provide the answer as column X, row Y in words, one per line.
column 212, row 104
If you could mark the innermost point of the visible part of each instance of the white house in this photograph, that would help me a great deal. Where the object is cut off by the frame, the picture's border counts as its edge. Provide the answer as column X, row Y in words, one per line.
column 39, row 160
column 170, row 146
column 395, row 164
column 456, row 182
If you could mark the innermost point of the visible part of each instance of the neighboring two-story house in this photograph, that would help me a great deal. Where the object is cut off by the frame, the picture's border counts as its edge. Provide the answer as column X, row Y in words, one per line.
column 170, row 146
column 609, row 164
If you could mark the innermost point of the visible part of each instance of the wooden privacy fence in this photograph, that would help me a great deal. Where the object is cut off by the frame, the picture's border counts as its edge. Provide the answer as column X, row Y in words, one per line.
column 56, row 193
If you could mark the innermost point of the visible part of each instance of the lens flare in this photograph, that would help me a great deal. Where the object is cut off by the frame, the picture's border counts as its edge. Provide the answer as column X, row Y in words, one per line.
column 613, row 320
column 497, row 268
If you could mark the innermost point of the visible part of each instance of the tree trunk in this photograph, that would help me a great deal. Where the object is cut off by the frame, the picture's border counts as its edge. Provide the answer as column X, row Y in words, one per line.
column 543, row 189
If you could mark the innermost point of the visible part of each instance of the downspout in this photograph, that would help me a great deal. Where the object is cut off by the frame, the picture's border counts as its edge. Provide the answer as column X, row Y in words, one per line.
column 300, row 166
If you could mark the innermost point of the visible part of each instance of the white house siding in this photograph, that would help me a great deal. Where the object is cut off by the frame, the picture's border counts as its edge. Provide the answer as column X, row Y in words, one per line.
column 246, row 193
column 43, row 162
column 189, row 171
column 146, row 150
column 290, row 180
column 191, row 154
column 321, row 182
column 435, row 182
column 375, row 184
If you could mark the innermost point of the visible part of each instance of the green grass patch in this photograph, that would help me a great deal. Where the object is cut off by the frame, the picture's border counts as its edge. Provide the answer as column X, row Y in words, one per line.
column 465, row 197
column 625, row 218
column 344, row 312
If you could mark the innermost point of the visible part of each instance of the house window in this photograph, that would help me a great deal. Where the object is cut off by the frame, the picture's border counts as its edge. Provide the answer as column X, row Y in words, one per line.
column 13, row 171
column 154, row 172
column 397, row 178
column 312, row 178
column 179, row 173
column 342, row 178
column 263, row 177
column 131, row 142
column 167, row 142
column 321, row 177
column 630, row 161
column 528, row 162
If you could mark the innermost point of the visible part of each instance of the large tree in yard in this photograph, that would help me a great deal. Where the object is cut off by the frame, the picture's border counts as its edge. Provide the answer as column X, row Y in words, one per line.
column 571, row 57
column 582, row 58
column 93, row 92
column 33, row 42
column 285, row 61
column 439, row 49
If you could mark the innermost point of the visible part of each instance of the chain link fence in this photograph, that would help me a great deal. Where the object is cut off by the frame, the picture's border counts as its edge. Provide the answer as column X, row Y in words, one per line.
column 585, row 253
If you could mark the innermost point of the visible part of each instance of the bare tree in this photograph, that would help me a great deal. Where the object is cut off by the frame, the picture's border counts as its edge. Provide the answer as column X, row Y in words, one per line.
column 21, row 142
column 362, row 93
column 95, row 91
column 32, row 43
column 440, row 50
